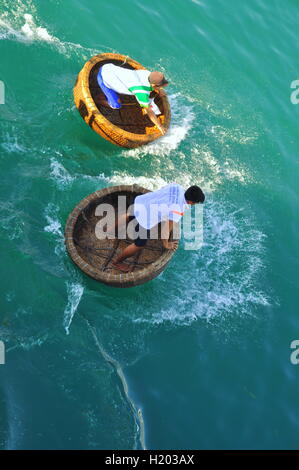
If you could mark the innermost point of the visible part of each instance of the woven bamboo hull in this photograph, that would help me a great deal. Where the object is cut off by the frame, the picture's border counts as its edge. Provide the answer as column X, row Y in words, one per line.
column 127, row 127
column 94, row 256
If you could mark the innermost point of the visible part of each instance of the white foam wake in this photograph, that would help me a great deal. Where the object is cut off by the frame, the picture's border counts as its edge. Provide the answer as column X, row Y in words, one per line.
column 54, row 227
column 63, row 179
column 11, row 143
column 32, row 31
column 181, row 122
column 20, row 23
column 59, row 174
column 28, row 31
column 222, row 278
column 151, row 183
column 214, row 173
column 74, row 292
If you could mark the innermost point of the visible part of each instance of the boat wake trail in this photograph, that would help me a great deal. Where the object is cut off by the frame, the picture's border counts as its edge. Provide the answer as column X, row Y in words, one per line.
column 74, row 292
column 137, row 412
column 19, row 22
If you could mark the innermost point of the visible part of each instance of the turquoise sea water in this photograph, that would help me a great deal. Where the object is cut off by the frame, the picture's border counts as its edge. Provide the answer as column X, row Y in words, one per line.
column 200, row 356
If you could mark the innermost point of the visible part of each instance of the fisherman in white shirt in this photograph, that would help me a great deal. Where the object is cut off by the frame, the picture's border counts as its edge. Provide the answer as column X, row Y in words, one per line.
column 114, row 80
column 166, row 205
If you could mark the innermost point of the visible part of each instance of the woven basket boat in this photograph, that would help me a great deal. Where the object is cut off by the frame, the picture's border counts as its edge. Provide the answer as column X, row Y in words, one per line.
column 94, row 256
column 127, row 126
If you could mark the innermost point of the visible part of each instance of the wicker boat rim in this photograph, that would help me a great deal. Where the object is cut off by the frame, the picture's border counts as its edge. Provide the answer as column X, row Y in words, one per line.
column 89, row 99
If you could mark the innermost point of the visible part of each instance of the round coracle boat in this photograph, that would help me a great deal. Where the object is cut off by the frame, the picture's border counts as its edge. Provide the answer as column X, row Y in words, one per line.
column 95, row 256
column 128, row 126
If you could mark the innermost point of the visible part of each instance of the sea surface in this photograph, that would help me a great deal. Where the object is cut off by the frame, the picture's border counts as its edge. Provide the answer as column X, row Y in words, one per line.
column 198, row 358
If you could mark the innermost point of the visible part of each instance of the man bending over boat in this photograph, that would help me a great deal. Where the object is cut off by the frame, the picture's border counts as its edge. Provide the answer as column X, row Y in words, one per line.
column 166, row 205
column 140, row 83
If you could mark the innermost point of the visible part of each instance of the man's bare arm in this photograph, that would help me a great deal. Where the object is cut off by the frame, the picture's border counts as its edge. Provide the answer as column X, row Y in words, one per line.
column 160, row 91
column 154, row 119
column 167, row 228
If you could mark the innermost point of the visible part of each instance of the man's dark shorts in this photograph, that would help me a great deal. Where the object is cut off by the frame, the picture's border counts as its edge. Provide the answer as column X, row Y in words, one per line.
column 145, row 235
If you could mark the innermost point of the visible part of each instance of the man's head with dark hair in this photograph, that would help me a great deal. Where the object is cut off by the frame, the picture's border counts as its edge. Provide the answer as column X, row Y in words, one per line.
column 194, row 195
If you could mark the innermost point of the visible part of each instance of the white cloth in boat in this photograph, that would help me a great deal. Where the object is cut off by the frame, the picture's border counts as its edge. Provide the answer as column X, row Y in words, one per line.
column 130, row 82
column 167, row 203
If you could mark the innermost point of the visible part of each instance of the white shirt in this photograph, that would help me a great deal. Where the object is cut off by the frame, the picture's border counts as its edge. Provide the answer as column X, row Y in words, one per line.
column 120, row 79
column 168, row 203
column 130, row 82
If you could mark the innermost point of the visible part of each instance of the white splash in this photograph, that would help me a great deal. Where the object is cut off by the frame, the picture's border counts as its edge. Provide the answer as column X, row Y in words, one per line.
column 20, row 23
column 32, row 31
column 51, row 217
column 151, row 183
column 29, row 31
column 181, row 122
column 63, row 179
column 214, row 173
column 74, row 292
column 8, row 32
column 220, row 279
column 11, row 144
column 59, row 174
column 54, row 227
